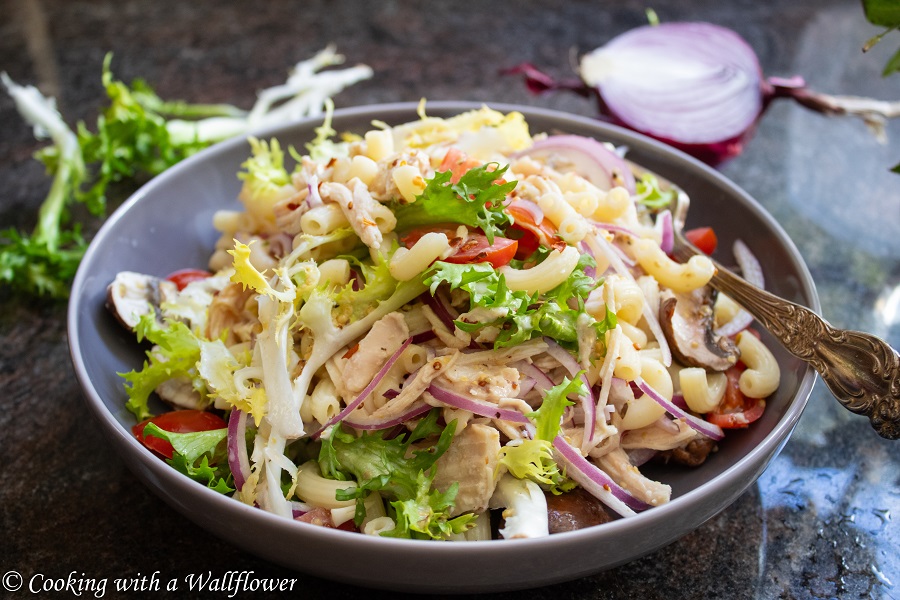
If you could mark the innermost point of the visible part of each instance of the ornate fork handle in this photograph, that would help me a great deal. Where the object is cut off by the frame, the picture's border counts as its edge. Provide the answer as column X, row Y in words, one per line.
column 861, row 370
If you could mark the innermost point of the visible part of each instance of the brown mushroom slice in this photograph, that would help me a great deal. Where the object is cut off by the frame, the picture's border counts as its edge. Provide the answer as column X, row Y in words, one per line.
column 573, row 510
column 687, row 323
column 179, row 393
column 133, row 295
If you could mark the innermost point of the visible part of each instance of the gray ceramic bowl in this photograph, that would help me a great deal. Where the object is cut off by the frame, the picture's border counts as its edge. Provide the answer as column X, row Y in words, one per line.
column 166, row 226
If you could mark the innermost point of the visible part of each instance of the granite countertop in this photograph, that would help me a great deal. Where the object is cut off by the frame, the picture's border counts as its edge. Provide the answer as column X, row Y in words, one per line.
column 821, row 522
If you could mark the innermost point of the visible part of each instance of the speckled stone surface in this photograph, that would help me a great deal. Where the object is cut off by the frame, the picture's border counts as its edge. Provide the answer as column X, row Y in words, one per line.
column 822, row 520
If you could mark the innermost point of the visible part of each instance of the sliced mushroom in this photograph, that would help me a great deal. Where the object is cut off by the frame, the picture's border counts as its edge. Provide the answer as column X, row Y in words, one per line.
column 687, row 322
column 573, row 510
column 692, row 454
column 133, row 295
column 179, row 393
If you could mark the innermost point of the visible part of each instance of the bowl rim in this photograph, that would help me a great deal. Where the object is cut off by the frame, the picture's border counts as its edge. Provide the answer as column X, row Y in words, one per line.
column 129, row 445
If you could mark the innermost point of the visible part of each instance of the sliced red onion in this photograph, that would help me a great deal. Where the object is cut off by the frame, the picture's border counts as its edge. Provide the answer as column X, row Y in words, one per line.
column 591, row 159
column 365, row 393
column 589, row 271
column 423, row 337
column 616, row 228
column 640, row 456
column 679, row 401
column 530, row 207
column 437, row 304
column 588, row 404
column 238, row 461
column 482, row 409
column 413, row 412
column 752, row 272
column 298, row 509
column 666, row 231
column 708, row 429
column 595, row 481
column 542, row 381
column 313, row 199
column 525, row 386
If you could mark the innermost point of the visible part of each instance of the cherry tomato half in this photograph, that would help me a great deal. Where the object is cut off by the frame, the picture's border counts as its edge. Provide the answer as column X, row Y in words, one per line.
column 185, row 276
column 736, row 411
column 531, row 234
column 475, row 248
column 177, row 421
column 704, row 238
column 458, row 163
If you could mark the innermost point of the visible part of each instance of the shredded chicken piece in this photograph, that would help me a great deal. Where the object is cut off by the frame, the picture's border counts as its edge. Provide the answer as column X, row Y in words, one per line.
column 386, row 336
column 383, row 187
column 233, row 312
column 358, row 206
column 472, row 461
column 657, row 438
column 416, row 387
column 482, row 381
column 617, row 466
column 289, row 210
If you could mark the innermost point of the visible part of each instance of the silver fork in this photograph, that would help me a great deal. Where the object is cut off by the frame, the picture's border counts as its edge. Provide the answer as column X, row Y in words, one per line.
column 860, row 369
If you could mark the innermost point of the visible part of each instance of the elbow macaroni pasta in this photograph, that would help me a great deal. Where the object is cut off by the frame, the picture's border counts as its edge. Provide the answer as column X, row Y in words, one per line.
column 702, row 391
column 762, row 376
column 324, row 219
column 314, row 489
column 680, row 278
column 545, row 276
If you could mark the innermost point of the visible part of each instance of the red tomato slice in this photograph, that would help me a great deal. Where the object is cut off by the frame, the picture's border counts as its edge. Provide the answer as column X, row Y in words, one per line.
column 704, row 238
column 177, row 421
column 736, row 411
column 185, row 276
column 458, row 163
column 474, row 248
column 533, row 234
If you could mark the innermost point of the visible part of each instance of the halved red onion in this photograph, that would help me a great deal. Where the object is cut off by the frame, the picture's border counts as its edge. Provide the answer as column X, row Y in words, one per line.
column 482, row 409
column 595, row 481
column 708, row 429
column 692, row 85
column 238, row 460
column 413, row 412
column 695, row 86
column 590, row 158
column 366, row 391
column 752, row 272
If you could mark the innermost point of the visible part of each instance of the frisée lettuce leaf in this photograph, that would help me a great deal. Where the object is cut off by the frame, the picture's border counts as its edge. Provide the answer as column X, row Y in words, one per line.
column 476, row 200
column 401, row 472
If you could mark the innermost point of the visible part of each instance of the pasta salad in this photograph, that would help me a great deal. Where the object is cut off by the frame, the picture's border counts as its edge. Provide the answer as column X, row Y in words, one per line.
column 446, row 329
